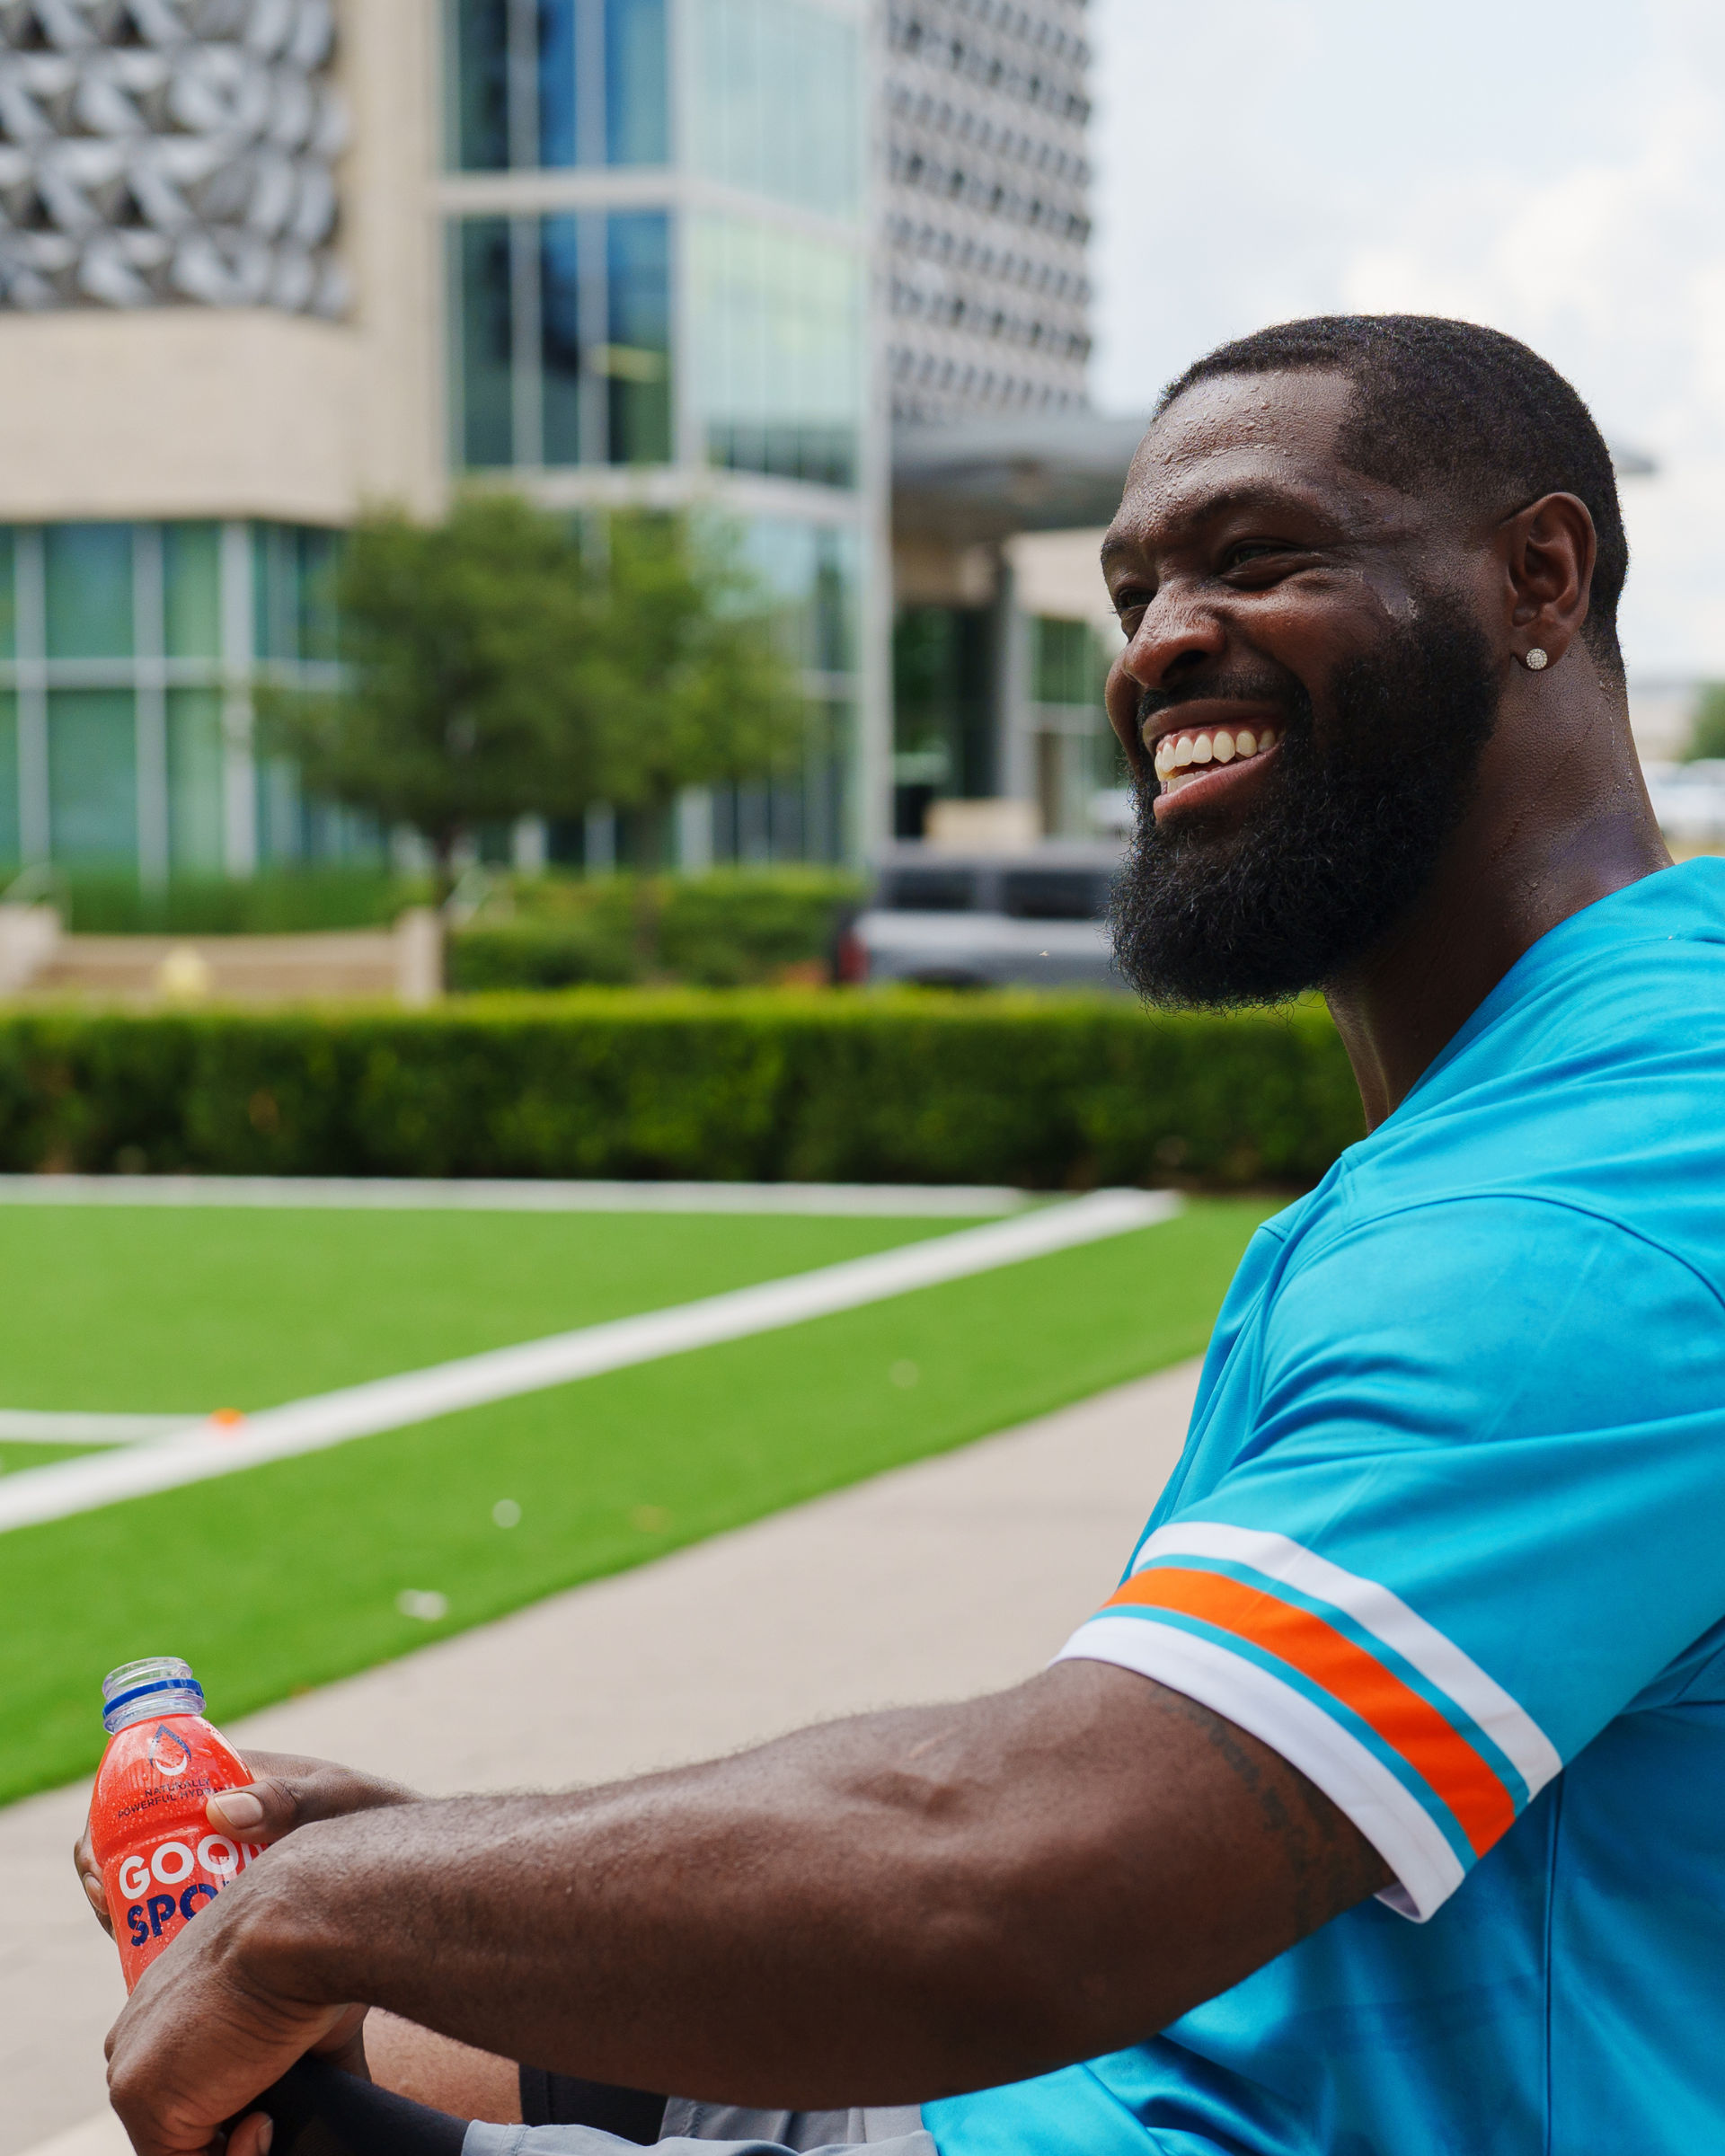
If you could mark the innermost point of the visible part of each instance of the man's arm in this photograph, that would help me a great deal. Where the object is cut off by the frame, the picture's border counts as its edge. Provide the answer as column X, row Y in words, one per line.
column 877, row 1911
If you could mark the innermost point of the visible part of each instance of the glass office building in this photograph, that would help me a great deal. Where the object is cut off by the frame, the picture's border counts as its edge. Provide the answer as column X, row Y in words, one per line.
column 656, row 252
column 129, row 657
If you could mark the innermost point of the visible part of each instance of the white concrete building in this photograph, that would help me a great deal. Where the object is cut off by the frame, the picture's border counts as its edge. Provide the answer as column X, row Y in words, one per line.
column 262, row 262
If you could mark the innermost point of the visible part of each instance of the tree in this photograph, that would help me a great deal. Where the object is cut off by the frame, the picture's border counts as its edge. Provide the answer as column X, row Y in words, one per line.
column 697, row 689
column 508, row 662
column 467, row 649
column 1707, row 733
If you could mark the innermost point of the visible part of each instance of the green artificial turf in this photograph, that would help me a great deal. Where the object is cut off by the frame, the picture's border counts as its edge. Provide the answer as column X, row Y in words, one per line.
column 14, row 1456
column 151, row 1310
column 287, row 1574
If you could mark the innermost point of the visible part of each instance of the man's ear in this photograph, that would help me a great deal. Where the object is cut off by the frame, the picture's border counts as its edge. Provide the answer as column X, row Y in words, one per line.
column 1548, row 551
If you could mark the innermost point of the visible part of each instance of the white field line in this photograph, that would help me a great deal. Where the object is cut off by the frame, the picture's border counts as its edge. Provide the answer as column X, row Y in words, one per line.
column 893, row 1201
column 27, row 1426
column 390, row 1403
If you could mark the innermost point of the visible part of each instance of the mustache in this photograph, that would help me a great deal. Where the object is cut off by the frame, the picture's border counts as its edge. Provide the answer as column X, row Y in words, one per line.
column 1264, row 686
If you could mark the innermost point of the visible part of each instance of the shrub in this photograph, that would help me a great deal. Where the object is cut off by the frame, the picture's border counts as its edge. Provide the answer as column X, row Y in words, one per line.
column 729, row 929
column 276, row 902
column 1046, row 1092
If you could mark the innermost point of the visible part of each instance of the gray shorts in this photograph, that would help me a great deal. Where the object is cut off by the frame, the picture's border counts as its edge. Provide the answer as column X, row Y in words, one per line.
column 721, row 2130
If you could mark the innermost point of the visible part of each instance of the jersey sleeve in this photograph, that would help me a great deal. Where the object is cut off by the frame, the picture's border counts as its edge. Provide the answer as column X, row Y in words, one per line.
column 1471, row 1510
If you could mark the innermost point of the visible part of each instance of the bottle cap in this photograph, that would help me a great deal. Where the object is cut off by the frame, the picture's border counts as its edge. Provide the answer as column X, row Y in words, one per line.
column 158, row 1685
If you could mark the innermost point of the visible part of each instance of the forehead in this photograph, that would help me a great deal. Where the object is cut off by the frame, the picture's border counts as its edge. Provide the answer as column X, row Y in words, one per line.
column 1242, row 439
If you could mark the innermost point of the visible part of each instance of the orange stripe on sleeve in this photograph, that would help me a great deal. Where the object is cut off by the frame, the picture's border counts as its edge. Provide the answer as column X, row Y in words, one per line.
column 1435, row 1752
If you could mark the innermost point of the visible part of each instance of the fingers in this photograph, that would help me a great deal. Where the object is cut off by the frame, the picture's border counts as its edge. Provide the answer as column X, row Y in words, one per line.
column 252, row 2135
column 261, row 1813
column 90, row 1878
column 288, row 1792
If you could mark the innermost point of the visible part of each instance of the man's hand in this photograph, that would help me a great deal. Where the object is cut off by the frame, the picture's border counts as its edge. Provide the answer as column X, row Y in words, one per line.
column 288, row 1792
column 202, row 2037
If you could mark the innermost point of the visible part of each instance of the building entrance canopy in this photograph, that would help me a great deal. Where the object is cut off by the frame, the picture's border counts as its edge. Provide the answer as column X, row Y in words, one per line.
column 977, row 481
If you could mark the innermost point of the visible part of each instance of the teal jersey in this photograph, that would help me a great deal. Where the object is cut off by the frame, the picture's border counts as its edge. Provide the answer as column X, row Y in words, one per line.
column 1448, row 1533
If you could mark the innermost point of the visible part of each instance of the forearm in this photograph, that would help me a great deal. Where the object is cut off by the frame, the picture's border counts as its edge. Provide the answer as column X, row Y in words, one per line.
column 877, row 1911
column 770, row 1929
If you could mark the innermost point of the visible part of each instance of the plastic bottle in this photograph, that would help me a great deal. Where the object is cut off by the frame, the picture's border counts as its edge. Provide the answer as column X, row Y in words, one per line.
column 161, row 1859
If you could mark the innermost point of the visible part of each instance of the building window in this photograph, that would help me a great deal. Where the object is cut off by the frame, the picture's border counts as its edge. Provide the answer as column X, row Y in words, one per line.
column 127, row 651
column 780, row 331
column 89, row 590
column 635, row 100
column 553, row 84
column 780, row 109
column 484, row 320
column 637, row 359
column 1068, row 667
column 10, row 850
column 192, row 564
column 93, row 777
column 1075, row 747
column 293, row 593
column 563, row 339
column 480, row 72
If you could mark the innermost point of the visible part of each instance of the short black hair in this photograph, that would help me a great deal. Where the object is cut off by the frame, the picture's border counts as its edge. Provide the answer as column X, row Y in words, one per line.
column 1452, row 407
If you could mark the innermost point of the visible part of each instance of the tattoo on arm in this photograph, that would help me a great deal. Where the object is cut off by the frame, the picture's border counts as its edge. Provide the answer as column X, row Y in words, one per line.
column 1331, row 1865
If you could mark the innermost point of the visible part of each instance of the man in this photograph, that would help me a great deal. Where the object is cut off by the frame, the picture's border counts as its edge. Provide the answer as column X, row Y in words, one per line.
column 1378, row 1813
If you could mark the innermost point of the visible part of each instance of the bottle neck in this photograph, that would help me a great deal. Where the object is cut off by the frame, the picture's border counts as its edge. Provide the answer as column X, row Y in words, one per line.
column 137, row 1692
column 153, row 1706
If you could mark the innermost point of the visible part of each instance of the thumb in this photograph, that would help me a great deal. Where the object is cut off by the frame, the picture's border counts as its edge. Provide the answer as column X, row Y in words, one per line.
column 260, row 1813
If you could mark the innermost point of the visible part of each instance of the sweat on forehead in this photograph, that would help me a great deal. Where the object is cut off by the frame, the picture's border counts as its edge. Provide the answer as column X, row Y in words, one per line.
column 1451, row 408
column 1235, row 434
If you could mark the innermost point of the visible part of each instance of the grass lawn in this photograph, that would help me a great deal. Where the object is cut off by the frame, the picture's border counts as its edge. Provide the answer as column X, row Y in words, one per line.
column 286, row 1576
column 152, row 1310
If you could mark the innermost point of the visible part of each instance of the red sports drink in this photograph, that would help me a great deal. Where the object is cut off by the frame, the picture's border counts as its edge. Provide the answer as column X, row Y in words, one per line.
column 161, row 1859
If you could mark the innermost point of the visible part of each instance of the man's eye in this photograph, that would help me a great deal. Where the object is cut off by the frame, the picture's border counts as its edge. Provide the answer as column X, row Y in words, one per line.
column 1249, row 552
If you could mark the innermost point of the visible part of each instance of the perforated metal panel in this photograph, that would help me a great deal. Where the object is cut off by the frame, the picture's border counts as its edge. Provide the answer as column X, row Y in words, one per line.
column 157, row 153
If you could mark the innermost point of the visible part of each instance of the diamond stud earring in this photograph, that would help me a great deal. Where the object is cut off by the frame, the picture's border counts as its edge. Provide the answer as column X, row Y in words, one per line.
column 1535, row 659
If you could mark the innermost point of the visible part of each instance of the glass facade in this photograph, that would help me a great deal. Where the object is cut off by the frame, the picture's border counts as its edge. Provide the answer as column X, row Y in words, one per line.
column 563, row 339
column 548, row 84
column 943, row 686
column 128, row 653
column 1075, row 747
column 780, row 111
column 689, row 331
column 780, row 322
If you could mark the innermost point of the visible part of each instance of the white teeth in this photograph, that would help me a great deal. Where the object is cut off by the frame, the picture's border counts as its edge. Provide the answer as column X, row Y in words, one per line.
column 1175, row 756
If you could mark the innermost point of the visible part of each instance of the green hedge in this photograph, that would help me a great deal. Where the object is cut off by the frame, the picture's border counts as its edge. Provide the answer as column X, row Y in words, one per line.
column 917, row 1088
column 277, row 902
column 734, row 928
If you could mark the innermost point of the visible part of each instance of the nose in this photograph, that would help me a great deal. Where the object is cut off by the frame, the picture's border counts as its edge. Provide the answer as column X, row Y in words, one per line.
column 1174, row 635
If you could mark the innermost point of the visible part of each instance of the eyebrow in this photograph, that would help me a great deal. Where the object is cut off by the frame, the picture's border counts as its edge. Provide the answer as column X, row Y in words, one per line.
column 1248, row 495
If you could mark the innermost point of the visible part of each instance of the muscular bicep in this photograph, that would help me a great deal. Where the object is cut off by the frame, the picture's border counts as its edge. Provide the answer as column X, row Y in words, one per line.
column 1146, row 1854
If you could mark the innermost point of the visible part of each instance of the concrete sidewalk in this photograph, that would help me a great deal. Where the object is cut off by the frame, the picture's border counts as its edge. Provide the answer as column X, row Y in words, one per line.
column 951, row 1577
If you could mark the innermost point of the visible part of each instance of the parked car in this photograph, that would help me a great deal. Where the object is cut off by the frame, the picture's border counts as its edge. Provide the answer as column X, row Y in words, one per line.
column 945, row 920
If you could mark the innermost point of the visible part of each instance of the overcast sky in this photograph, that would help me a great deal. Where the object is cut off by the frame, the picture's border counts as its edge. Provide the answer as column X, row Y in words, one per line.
column 1557, row 171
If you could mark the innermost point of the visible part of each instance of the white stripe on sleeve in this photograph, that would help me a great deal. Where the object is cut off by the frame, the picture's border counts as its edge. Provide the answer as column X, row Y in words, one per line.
column 1375, row 1610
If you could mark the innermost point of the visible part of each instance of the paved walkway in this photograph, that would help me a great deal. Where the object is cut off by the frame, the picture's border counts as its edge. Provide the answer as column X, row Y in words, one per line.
column 948, row 1577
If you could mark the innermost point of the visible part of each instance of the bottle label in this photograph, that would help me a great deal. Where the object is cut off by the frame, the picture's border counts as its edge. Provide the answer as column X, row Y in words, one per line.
column 161, row 1859
column 158, row 1886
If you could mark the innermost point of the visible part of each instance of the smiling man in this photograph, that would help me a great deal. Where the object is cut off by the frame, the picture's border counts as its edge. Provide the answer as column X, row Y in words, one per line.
column 1378, row 1812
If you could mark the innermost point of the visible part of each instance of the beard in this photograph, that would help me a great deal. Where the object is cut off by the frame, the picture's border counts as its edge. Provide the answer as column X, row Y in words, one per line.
column 1341, row 839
